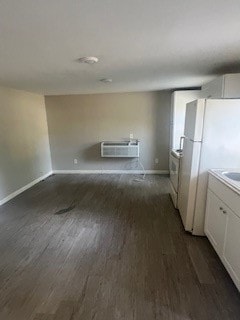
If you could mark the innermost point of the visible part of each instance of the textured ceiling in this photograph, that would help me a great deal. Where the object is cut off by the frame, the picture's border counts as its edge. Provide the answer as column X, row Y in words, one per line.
column 141, row 44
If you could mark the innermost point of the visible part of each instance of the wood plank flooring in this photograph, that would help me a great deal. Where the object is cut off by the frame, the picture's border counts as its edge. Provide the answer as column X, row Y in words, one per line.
column 105, row 247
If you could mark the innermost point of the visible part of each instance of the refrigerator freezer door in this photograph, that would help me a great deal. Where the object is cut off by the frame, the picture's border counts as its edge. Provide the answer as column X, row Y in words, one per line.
column 188, row 182
column 194, row 120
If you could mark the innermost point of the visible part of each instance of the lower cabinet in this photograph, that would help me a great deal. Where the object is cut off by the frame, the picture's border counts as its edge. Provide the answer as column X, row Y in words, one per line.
column 231, row 250
column 222, row 227
column 215, row 224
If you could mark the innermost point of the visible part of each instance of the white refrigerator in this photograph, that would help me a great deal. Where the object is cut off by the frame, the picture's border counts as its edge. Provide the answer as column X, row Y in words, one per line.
column 212, row 140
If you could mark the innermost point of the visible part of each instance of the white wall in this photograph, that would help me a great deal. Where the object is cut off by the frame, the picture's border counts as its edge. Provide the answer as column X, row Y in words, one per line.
column 24, row 142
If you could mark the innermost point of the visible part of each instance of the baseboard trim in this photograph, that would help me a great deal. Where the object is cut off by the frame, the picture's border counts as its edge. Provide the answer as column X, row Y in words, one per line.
column 29, row 185
column 110, row 172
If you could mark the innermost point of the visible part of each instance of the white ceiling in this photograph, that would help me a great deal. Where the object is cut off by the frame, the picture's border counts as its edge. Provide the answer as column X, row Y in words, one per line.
column 141, row 44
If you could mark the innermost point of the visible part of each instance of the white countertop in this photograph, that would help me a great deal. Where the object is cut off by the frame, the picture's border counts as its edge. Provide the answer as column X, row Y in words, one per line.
column 232, row 184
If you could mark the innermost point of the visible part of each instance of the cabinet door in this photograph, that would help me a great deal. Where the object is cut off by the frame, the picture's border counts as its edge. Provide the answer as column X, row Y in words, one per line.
column 231, row 86
column 231, row 251
column 215, row 221
column 213, row 89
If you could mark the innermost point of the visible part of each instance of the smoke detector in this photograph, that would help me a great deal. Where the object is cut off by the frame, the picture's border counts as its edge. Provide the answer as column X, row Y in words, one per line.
column 106, row 80
column 88, row 60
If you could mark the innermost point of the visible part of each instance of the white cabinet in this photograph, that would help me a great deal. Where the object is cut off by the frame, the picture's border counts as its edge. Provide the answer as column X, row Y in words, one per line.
column 222, row 225
column 231, row 251
column 226, row 86
column 215, row 224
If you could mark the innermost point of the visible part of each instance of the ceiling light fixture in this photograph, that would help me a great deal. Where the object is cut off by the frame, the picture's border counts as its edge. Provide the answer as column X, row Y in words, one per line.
column 88, row 60
column 106, row 80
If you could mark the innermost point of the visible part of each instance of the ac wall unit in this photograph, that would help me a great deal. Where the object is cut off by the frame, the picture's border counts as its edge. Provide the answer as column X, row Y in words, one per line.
column 119, row 149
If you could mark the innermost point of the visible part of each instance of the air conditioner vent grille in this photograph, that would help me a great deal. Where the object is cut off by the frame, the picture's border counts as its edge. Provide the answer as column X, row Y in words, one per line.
column 118, row 149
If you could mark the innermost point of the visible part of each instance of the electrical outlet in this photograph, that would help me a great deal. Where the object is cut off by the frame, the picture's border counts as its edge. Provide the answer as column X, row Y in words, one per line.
column 156, row 160
column 75, row 161
column 131, row 136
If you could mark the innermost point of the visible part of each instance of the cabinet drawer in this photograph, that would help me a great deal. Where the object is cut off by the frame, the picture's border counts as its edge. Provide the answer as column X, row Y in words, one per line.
column 227, row 195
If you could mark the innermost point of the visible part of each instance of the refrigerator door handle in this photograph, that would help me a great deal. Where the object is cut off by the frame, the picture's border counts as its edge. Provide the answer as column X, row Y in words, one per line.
column 181, row 142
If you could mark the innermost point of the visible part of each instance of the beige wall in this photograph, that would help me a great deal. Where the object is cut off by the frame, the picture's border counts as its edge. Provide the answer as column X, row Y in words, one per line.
column 78, row 123
column 24, row 144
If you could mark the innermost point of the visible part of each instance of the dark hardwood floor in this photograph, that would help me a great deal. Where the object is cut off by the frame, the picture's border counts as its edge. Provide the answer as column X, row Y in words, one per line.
column 105, row 247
